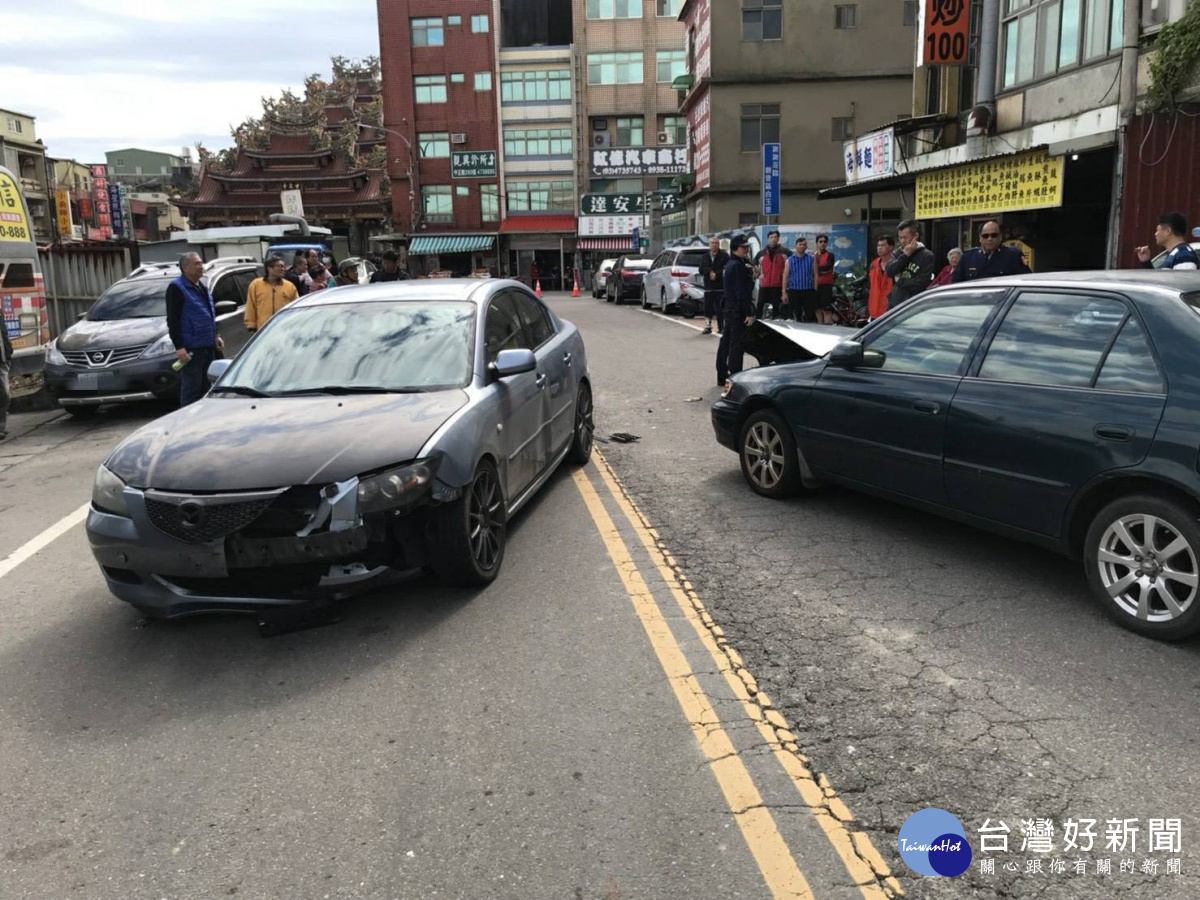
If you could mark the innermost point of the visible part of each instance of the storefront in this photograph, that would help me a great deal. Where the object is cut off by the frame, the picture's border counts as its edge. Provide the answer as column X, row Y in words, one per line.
column 539, row 248
column 452, row 255
column 609, row 233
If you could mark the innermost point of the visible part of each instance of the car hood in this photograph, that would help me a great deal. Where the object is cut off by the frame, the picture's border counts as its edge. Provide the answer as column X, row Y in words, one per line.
column 88, row 335
column 239, row 443
column 778, row 342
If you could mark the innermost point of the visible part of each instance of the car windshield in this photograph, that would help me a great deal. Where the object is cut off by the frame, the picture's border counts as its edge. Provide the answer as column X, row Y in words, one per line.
column 359, row 347
column 691, row 258
column 637, row 264
column 136, row 299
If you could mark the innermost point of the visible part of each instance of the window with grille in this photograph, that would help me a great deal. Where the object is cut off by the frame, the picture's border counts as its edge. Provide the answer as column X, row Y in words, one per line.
column 760, row 125
column 427, row 32
column 762, row 20
column 615, row 68
column 535, row 86
column 519, row 142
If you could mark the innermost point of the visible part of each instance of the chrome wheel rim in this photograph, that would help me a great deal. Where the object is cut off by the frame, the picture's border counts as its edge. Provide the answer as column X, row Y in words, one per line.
column 764, row 455
column 584, row 426
column 1148, row 568
column 486, row 520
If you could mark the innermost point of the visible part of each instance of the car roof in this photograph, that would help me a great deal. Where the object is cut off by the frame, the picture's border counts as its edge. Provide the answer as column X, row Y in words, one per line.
column 1155, row 281
column 171, row 270
column 470, row 290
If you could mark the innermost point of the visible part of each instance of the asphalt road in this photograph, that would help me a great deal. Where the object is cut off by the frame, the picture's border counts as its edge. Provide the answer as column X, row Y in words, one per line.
column 746, row 701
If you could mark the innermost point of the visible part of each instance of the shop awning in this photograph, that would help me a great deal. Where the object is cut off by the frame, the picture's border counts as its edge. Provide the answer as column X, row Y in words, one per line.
column 535, row 224
column 606, row 243
column 425, row 245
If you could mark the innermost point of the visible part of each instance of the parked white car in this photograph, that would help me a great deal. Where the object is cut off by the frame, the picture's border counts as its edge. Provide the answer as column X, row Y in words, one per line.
column 668, row 273
column 601, row 279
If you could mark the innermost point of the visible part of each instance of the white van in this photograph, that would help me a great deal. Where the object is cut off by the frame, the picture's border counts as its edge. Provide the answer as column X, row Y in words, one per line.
column 22, row 296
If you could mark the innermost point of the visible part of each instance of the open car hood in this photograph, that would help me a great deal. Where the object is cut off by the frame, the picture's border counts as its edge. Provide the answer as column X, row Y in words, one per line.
column 772, row 342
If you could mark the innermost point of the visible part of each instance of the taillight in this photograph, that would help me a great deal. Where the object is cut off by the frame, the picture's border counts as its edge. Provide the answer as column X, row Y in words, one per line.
column 680, row 273
column 628, row 273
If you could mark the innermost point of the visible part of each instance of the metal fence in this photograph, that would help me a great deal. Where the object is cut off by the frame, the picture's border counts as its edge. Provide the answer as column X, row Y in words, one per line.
column 75, row 275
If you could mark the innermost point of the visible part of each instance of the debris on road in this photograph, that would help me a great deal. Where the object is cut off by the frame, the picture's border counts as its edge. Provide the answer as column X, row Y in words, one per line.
column 624, row 437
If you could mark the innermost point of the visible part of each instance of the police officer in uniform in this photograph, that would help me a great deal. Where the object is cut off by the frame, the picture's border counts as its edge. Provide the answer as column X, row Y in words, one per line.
column 737, row 309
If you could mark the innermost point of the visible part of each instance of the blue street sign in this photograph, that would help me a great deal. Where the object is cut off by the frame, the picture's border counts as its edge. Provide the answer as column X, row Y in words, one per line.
column 114, row 210
column 771, row 156
column 635, row 242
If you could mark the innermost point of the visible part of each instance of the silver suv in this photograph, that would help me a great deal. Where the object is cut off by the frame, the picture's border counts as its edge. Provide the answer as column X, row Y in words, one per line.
column 668, row 273
column 119, row 351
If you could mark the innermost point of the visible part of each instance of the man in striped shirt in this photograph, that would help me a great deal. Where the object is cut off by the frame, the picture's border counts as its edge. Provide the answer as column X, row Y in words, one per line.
column 800, row 279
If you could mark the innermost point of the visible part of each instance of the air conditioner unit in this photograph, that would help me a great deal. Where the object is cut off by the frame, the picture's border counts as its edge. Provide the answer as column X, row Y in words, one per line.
column 458, row 138
column 601, row 139
column 664, row 137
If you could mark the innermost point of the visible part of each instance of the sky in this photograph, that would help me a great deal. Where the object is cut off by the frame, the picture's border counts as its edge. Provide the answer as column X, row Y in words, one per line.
column 163, row 74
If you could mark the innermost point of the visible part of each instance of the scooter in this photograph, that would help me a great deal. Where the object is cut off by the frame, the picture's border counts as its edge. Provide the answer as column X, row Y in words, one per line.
column 691, row 299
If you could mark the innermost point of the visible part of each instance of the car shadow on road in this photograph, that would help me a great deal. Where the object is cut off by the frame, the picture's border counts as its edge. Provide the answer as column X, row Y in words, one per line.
column 111, row 673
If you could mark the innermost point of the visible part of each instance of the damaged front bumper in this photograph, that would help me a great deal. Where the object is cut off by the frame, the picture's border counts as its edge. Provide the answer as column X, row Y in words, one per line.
column 178, row 555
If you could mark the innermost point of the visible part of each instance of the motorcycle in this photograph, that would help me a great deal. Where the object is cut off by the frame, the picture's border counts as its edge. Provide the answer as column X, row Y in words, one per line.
column 691, row 298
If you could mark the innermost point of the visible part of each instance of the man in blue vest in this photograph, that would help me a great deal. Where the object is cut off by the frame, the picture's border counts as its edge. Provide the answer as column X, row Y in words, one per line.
column 192, row 322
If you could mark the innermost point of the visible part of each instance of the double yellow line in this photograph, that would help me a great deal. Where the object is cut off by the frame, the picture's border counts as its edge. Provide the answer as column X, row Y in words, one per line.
column 775, row 861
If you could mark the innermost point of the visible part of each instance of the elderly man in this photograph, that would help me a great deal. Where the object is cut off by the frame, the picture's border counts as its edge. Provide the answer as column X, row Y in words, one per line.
column 990, row 259
column 712, row 275
column 192, row 324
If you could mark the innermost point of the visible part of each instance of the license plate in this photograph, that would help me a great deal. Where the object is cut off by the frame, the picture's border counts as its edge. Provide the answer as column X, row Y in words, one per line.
column 88, row 381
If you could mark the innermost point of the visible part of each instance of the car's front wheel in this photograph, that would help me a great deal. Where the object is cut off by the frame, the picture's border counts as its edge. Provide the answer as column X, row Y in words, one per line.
column 768, row 453
column 585, row 428
column 469, row 534
column 645, row 299
column 1142, row 555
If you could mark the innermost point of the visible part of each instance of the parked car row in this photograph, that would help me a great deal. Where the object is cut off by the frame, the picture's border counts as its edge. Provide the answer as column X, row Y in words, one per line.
column 659, row 283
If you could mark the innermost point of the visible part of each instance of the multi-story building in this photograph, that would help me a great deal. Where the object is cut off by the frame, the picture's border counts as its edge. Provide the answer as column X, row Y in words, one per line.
column 440, row 114
column 629, row 53
column 805, row 74
column 75, row 178
column 1043, row 125
column 149, row 168
column 25, row 156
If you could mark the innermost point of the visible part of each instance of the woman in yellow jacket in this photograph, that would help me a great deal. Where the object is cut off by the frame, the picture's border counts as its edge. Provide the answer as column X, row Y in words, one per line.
column 267, row 296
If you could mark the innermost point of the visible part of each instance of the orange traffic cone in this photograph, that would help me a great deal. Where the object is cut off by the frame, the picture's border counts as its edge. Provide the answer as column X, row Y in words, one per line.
column 537, row 287
column 575, row 292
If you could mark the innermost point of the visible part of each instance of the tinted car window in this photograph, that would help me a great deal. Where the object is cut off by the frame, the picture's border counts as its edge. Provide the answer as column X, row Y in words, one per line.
column 1130, row 364
column 391, row 346
column 136, row 299
column 534, row 317
column 226, row 290
column 1054, row 339
column 502, row 329
column 933, row 338
column 691, row 258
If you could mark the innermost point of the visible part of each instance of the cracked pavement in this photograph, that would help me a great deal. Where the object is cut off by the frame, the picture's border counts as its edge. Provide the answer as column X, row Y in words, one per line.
column 918, row 662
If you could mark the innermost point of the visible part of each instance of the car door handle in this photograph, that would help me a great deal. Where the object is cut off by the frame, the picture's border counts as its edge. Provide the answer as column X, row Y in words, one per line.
column 567, row 359
column 1113, row 432
column 541, row 380
column 927, row 406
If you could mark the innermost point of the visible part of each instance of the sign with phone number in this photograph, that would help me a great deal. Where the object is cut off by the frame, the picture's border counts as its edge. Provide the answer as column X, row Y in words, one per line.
column 13, row 224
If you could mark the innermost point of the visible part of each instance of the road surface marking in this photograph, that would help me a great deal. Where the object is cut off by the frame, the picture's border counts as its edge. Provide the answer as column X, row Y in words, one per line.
column 770, row 852
column 862, row 861
column 43, row 540
column 673, row 321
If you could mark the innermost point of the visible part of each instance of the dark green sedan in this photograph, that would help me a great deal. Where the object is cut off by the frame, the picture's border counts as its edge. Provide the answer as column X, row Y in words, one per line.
column 1059, row 409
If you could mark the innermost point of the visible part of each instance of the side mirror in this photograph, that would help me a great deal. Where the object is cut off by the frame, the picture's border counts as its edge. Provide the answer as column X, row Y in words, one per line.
column 851, row 355
column 225, row 306
column 217, row 368
column 81, row 316
column 513, row 362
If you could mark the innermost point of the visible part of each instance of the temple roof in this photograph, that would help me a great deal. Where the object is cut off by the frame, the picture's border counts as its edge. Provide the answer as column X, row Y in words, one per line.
column 213, row 195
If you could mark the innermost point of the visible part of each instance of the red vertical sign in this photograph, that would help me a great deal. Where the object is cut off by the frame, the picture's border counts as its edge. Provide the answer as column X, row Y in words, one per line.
column 947, row 33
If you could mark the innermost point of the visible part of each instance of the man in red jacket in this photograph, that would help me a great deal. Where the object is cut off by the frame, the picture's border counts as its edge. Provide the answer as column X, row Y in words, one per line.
column 880, row 284
column 769, row 263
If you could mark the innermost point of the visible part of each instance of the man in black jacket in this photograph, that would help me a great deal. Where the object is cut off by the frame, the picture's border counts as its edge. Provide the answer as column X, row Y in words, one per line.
column 712, row 276
column 912, row 264
column 297, row 273
column 738, row 309
column 6, row 355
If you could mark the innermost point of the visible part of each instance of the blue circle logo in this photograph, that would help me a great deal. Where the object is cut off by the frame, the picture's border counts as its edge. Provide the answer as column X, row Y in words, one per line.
column 933, row 842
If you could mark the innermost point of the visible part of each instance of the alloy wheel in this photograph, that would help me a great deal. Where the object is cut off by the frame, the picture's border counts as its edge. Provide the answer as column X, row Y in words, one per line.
column 764, row 455
column 486, row 518
column 1148, row 567
column 585, row 427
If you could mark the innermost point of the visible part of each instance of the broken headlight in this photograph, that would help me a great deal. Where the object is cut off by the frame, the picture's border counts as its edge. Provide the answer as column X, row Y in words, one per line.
column 396, row 487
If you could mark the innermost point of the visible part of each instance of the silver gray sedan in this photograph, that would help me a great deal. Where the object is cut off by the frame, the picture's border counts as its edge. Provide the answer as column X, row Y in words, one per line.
column 363, row 432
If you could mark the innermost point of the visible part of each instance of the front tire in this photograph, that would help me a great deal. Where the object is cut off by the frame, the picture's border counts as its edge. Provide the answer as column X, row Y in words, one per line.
column 767, row 451
column 645, row 300
column 585, row 428
column 469, row 535
column 1142, row 559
